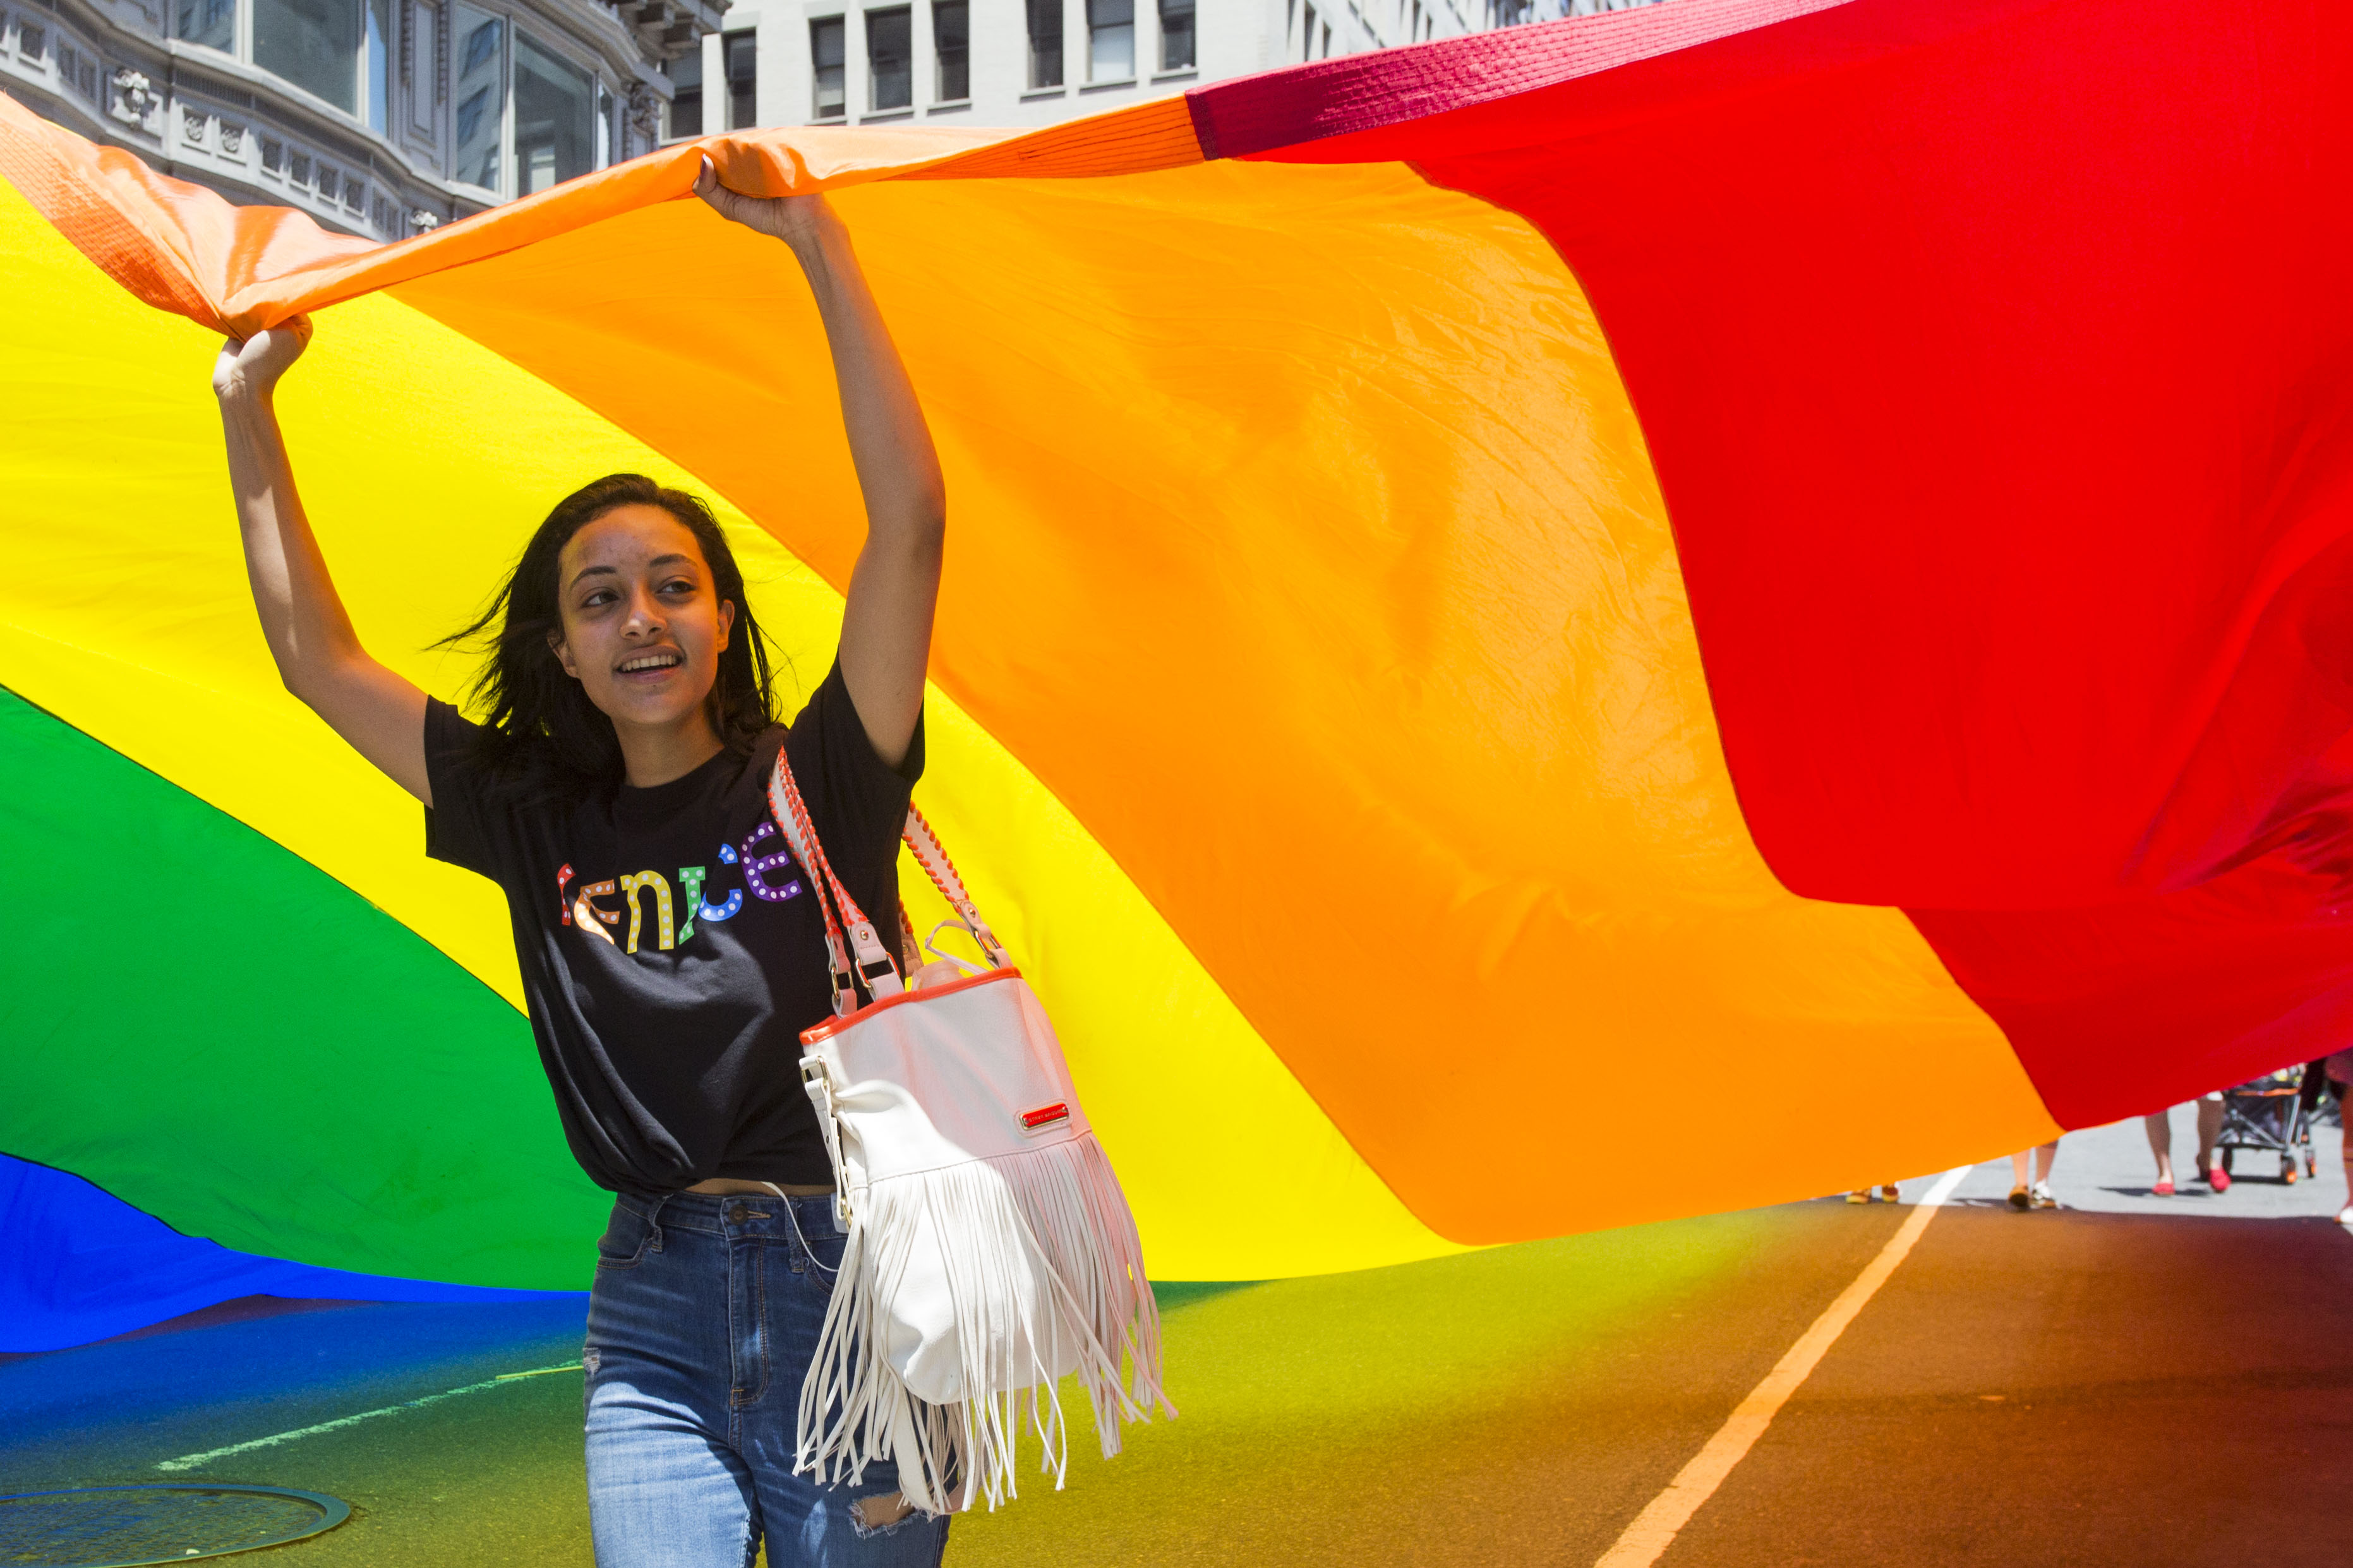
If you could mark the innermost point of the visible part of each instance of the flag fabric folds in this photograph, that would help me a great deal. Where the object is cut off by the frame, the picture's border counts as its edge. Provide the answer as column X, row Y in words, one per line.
column 1595, row 622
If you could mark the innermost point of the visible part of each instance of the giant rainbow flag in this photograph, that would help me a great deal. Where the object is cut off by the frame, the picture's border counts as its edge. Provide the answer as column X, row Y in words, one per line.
column 1596, row 622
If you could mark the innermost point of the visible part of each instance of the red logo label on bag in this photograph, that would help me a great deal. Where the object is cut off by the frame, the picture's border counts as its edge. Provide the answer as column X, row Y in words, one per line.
column 1044, row 1116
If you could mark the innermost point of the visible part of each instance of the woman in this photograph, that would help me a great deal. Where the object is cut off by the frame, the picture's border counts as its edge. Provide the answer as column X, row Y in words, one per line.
column 670, row 952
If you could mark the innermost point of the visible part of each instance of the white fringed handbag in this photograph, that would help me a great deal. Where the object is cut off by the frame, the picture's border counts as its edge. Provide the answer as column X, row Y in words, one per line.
column 990, row 1250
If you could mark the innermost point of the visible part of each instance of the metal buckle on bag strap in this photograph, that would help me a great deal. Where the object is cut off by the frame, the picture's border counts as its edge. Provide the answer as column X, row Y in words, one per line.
column 845, row 989
column 872, row 965
column 933, row 858
column 875, row 965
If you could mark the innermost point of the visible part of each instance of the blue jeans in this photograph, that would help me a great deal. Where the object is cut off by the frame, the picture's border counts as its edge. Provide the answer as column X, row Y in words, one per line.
column 704, row 1319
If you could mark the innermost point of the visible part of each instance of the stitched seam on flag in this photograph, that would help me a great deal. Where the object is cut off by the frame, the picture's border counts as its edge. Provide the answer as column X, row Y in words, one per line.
column 114, row 243
column 1160, row 134
column 1389, row 87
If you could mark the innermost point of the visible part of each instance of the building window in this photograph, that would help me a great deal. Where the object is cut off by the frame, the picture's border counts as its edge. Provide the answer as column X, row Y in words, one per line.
column 482, row 96
column 1307, row 35
column 825, row 57
column 1045, row 43
column 81, row 73
column 376, row 66
column 1111, row 41
column 889, row 57
column 952, row 41
column 212, row 23
column 1176, row 35
column 739, row 55
column 555, row 118
column 423, row 43
column 685, row 75
column 339, row 50
column 313, row 44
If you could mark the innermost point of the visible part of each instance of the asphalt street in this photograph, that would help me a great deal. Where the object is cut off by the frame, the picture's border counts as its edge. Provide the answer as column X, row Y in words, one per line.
column 2127, row 1380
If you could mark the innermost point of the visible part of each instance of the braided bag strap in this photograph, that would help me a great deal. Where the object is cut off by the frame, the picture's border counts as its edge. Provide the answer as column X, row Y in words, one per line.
column 865, row 958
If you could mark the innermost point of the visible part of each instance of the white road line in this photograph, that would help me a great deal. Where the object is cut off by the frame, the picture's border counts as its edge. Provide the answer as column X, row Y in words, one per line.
column 190, row 1461
column 1654, row 1527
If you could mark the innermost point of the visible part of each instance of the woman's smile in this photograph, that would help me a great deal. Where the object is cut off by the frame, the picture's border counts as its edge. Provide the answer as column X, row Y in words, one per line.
column 651, row 664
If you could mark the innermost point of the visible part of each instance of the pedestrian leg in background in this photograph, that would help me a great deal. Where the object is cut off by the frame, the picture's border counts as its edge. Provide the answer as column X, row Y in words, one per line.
column 2209, row 1132
column 2340, row 1078
column 2345, row 1215
column 1887, row 1194
column 2035, row 1195
column 2159, row 1124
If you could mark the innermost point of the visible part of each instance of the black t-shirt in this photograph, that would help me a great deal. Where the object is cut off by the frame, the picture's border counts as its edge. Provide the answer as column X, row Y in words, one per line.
column 671, row 949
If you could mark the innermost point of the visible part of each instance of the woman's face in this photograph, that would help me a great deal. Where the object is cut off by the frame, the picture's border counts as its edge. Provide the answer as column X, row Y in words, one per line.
column 643, row 627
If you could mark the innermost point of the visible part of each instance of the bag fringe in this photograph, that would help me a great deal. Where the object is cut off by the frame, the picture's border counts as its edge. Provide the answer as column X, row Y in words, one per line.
column 1053, row 1214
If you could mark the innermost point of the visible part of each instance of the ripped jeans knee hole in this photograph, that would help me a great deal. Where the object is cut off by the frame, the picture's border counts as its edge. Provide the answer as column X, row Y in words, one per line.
column 884, row 1513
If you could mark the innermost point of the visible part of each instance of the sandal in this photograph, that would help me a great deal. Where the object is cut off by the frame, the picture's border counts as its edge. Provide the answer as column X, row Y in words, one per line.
column 2020, row 1199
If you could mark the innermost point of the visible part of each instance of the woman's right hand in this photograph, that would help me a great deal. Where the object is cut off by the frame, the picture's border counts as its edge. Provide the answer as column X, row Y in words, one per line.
column 319, row 654
column 251, row 366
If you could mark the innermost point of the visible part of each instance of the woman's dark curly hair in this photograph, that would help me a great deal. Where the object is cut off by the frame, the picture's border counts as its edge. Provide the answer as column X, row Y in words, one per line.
column 540, row 724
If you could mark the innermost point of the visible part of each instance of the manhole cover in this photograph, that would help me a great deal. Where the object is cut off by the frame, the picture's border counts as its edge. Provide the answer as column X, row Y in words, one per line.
column 121, row 1527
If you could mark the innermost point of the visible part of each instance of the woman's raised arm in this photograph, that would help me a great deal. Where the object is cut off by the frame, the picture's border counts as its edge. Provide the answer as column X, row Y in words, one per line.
column 319, row 656
column 886, row 628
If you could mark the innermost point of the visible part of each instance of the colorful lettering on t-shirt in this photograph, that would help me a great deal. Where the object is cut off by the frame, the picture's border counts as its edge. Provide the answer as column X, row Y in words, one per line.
column 725, row 911
column 586, row 905
column 690, row 887
column 689, row 897
column 563, row 909
column 631, row 886
column 752, row 868
column 692, row 881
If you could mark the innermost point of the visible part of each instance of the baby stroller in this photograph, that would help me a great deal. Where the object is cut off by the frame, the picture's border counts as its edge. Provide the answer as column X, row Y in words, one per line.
column 2269, row 1113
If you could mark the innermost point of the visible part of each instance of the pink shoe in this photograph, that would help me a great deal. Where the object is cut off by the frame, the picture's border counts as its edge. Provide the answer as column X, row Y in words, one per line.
column 2163, row 1189
column 2221, row 1178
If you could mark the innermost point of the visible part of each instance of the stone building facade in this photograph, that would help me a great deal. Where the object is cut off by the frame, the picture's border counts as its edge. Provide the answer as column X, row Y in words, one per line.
column 377, row 117
column 383, row 118
column 1031, row 62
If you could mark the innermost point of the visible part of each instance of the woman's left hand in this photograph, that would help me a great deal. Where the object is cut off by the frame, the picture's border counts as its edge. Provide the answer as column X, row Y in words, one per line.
column 793, row 219
column 886, row 619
